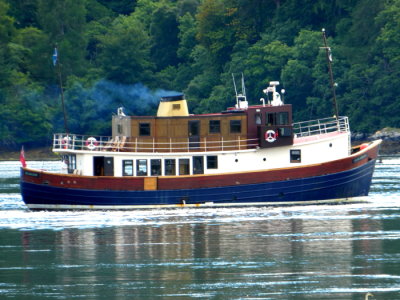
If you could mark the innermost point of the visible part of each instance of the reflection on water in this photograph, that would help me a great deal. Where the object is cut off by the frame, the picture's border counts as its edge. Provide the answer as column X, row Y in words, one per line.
column 303, row 252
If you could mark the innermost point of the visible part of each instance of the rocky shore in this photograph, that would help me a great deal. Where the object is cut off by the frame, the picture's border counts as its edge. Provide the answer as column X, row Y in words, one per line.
column 389, row 136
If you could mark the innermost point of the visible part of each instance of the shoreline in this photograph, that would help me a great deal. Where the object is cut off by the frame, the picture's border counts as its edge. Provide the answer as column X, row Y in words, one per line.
column 35, row 154
column 388, row 148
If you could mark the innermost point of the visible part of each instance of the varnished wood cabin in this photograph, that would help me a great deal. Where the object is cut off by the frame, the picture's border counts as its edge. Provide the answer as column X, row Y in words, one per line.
column 175, row 130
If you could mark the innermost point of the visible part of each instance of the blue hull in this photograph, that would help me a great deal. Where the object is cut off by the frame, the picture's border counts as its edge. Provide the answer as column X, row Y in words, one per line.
column 348, row 184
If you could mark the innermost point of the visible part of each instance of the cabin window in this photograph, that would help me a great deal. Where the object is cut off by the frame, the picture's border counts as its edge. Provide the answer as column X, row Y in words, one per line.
column 155, row 167
column 119, row 129
column 295, row 156
column 144, row 129
column 215, row 126
column 184, row 166
column 283, row 118
column 127, row 167
column 176, row 106
column 212, row 162
column 141, row 167
column 270, row 119
column 236, row 126
column 257, row 118
column 169, row 166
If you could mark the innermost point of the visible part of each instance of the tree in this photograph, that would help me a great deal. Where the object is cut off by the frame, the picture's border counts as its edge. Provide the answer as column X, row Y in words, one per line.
column 164, row 36
column 64, row 21
column 214, row 32
column 125, row 52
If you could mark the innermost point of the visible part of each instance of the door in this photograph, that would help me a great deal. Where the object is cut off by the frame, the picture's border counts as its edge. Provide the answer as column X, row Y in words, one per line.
column 103, row 166
column 98, row 166
column 194, row 134
column 198, row 165
column 108, row 166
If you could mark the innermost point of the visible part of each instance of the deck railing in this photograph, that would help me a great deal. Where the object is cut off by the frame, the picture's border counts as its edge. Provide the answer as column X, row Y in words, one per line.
column 64, row 141
column 321, row 126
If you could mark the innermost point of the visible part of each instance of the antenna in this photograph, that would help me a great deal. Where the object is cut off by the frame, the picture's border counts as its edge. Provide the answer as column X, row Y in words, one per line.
column 243, row 86
column 329, row 60
column 236, row 94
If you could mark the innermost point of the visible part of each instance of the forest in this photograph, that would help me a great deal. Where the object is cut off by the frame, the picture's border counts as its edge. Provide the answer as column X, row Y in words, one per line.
column 128, row 53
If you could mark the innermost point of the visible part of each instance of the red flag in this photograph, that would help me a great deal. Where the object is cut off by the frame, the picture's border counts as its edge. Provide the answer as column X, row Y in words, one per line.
column 22, row 157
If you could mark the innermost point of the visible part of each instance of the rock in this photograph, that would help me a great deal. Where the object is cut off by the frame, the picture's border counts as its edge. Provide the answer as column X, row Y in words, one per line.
column 390, row 134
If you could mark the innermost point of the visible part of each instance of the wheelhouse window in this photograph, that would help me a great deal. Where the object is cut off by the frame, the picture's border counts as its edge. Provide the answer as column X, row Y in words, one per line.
column 295, row 156
column 257, row 118
column 212, row 162
column 144, row 129
column 127, row 167
column 214, row 126
column 155, row 167
column 236, row 126
column 141, row 167
column 170, row 167
column 283, row 118
column 270, row 119
column 184, row 166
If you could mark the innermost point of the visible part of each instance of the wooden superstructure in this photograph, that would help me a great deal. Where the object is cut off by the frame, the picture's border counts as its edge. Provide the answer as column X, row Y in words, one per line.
column 174, row 130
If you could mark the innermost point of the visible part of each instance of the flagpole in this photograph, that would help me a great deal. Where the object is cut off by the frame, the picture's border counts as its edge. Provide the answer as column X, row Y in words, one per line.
column 329, row 60
column 56, row 61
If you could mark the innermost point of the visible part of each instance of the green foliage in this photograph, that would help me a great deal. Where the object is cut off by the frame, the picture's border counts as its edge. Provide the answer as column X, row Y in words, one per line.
column 109, row 49
column 125, row 52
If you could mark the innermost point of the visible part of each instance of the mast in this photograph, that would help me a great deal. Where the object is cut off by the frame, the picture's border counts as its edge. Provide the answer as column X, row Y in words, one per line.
column 56, row 62
column 332, row 82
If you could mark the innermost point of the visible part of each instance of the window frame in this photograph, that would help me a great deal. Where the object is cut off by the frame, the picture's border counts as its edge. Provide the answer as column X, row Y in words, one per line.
column 237, row 127
column 125, row 164
column 138, row 165
column 143, row 130
column 295, row 157
column 214, row 128
column 210, row 163
column 155, row 167
column 180, row 163
column 167, row 167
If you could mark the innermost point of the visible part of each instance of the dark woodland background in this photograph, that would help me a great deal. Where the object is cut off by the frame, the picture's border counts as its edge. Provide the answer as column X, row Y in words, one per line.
column 128, row 53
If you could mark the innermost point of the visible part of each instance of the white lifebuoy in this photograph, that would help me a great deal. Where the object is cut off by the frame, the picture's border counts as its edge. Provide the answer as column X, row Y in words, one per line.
column 91, row 143
column 270, row 136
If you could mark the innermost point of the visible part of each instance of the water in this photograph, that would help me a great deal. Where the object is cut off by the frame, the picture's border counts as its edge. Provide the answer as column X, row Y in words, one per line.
column 298, row 252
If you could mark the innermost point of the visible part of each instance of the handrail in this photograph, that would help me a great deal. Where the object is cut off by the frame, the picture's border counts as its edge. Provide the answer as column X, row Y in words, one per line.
column 75, row 142
column 321, row 126
column 63, row 141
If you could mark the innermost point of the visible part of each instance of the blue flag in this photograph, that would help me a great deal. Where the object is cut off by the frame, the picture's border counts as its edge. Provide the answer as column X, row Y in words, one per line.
column 55, row 56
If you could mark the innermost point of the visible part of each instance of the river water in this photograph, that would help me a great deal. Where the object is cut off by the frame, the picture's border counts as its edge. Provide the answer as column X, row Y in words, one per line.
column 297, row 252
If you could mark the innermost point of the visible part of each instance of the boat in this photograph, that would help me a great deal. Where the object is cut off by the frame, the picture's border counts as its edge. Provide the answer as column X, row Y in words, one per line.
column 247, row 155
